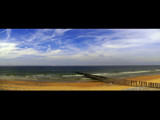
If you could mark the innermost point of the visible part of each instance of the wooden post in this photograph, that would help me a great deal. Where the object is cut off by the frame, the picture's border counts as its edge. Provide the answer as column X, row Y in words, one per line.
column 153, row 85
column 144, row 84
column 133, row 83
column 150, row 84
column 128, row 82
column 139, row 83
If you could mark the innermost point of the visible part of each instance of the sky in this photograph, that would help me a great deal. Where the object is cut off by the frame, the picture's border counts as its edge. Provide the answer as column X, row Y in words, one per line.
column 79, row 47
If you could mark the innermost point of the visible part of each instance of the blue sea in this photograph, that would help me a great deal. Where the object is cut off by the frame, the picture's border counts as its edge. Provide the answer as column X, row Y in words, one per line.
column 68, row 73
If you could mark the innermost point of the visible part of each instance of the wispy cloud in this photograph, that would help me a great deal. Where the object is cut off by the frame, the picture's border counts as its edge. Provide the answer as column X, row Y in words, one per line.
column 60, row 31
column 85, row 47
column 2, row 31
column 8, row 32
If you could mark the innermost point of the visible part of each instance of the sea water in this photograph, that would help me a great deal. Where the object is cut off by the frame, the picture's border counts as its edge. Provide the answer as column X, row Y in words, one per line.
column 68, row 73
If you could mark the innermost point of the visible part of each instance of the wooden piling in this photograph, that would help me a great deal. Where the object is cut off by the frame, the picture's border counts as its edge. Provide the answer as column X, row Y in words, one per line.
column 136, row 83
column 155, row 85
column 145, row 84
column 122, row 82
column 139, row 83
column 149, row 84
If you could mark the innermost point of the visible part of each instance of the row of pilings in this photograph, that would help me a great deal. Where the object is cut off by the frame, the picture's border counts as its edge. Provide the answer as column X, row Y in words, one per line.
column 122, row 82
column 138, row 83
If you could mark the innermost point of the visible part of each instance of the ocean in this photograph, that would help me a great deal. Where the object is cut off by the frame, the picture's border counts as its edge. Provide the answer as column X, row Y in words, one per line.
column 68, row 73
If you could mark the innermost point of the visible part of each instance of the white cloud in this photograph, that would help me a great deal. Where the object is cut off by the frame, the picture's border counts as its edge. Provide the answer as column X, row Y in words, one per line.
column 10, row 50
column 60, row 31
column 8, row 32
column 2, row 31
column 123, row 46
column 129, row 38
column 41, row 36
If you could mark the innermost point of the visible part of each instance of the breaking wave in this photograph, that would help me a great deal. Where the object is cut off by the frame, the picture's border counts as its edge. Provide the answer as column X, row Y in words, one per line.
column 127, row 72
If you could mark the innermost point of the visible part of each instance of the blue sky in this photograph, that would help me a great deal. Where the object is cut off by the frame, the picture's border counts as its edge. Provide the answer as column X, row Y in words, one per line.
column 79, row 46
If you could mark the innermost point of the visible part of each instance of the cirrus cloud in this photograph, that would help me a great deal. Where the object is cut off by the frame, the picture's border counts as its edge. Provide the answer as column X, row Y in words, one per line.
column 80, row 46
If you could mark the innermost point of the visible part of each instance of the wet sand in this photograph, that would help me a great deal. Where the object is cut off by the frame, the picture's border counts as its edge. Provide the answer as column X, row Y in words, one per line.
column 82, row 86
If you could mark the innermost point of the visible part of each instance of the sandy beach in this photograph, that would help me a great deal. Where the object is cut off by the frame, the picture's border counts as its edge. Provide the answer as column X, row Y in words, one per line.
column 39, row 86
column 83, row 86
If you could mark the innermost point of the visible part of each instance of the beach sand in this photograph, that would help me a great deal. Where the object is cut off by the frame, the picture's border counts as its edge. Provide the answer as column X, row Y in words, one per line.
column 81, row 86
column 40, row 86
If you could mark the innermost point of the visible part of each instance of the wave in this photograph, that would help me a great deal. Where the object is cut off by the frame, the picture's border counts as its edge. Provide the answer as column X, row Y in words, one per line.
column 130, row 72
column 157, row 70
column 127, row 72
column 72, row 75
column 66, row 76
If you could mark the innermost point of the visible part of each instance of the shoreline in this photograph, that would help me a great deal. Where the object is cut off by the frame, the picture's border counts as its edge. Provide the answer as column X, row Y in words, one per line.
column 72, row 86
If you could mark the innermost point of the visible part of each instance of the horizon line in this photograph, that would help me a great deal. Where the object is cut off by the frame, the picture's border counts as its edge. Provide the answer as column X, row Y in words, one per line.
column 78, row 65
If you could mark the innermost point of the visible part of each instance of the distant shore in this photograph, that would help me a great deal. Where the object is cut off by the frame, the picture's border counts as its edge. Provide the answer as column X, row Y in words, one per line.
column 82, row 86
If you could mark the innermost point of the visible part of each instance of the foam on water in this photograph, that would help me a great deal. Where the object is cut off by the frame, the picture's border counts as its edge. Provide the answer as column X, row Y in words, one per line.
column 72, row 75
column 68, row 73
column 128, row 73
